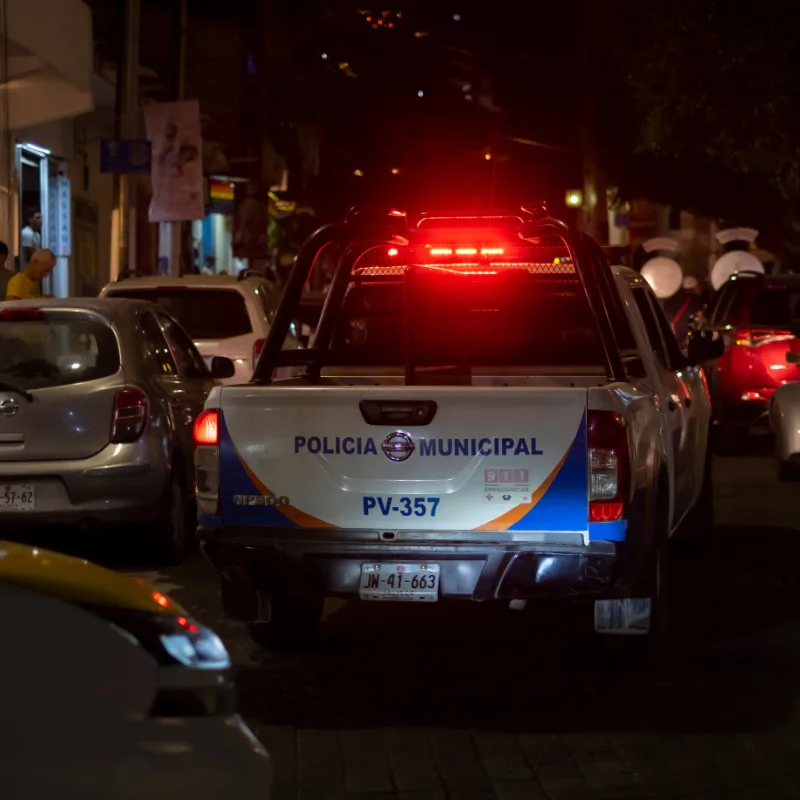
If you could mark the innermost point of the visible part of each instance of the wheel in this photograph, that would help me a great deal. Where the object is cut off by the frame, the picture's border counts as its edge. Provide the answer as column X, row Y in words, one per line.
column 652, row 585
column 699, row 521
column 294, row 620
column 173, row 532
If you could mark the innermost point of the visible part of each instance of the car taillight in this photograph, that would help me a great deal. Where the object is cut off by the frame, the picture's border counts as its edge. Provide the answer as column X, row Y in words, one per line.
column 206, row 461
column 257, row 348
column 206, row 428
column 746, row 337
column 130, row 415
column 609, row 466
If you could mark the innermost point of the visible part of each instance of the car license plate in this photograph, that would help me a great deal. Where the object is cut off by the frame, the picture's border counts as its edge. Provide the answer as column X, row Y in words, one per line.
column 400, row 582
column 17, row 497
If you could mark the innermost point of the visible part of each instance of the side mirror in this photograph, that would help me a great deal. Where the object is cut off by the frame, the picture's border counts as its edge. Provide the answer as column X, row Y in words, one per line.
column 792, row 358
column 704, row 346
column 222, row 368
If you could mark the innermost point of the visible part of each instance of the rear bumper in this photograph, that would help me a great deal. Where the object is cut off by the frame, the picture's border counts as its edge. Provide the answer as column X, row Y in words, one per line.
column 507, row 566
column 121, row 483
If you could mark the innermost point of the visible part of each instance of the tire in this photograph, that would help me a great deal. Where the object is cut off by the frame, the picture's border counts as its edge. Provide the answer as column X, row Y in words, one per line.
column 699, row 522
column 174, row 534
column 651, row 650
column 294, row 621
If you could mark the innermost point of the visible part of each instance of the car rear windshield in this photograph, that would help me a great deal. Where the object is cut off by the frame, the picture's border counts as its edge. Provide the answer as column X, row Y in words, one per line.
column 204, row 313
column 776, row 308
column 508, row 319
column 59, row 350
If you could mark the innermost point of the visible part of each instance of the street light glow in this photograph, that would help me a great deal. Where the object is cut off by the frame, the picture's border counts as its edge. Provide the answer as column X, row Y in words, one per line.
column 574, row 198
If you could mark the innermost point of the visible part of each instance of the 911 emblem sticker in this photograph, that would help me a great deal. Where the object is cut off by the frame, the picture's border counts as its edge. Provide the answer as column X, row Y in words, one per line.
column 260, row 500
column 507, row 485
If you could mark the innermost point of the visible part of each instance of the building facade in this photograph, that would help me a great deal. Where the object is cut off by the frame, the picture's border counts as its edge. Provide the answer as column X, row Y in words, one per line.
column 46, row 81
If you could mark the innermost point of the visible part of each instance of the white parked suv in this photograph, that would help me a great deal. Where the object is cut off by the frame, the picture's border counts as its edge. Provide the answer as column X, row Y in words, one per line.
column 225, row 316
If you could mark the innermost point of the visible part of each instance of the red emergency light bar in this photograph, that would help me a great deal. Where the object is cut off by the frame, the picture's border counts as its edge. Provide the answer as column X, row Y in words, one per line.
column 478, row 267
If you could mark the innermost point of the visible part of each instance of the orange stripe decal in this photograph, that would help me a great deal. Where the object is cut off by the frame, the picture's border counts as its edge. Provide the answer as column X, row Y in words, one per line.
column 300, row 518
column 509, row 518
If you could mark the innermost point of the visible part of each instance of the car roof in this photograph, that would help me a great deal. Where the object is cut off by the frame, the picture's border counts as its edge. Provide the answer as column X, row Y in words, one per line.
column 109, row 307
column 786, row 279
column 184, row 282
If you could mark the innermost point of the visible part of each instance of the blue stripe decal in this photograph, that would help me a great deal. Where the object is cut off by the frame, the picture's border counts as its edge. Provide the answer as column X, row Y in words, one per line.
column 608, row 531
column 235, row 480
column 565, row 505
column 207, row 521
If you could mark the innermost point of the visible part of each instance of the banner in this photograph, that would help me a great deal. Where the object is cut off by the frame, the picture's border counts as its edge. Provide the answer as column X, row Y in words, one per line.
column 177, row 161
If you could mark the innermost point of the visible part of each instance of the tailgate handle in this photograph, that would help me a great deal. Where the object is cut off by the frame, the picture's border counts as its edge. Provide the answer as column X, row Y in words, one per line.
column 398, row 412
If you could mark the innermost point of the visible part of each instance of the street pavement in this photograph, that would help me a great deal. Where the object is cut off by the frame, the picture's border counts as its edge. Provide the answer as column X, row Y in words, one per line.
column 474, row 703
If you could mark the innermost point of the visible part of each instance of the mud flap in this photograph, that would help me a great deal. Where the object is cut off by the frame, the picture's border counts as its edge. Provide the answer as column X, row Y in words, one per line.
column 628, row 616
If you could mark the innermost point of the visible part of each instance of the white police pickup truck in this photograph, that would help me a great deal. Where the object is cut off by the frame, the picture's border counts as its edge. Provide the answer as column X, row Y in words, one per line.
column 489, row 413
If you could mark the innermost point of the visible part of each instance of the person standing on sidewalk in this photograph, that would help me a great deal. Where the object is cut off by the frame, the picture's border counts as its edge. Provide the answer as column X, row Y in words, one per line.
column 27, row 285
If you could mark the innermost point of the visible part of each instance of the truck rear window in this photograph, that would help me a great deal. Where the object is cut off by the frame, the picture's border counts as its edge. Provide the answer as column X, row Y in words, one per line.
column 507, row 319
column 59, row 351
column 203, row 313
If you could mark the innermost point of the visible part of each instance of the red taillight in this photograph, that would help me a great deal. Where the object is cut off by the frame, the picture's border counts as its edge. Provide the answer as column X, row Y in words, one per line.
column 206, row 428
column 257, row 348
column 22, row 315
column 755, row 338
column 609, row 466
column 130, row 415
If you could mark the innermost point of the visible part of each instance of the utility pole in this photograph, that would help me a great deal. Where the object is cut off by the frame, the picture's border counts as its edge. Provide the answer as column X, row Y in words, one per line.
column 126, row 127
column 174, row 230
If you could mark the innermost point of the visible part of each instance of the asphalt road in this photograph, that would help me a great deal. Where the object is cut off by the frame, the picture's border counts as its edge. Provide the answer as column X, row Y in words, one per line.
column 427, row 703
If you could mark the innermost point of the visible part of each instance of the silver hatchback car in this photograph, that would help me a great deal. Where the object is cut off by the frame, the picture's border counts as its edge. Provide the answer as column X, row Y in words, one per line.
column 98, row 399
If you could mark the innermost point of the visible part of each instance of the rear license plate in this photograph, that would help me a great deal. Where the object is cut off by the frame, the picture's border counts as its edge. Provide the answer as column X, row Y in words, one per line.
column 400, row 582
column 17, row 497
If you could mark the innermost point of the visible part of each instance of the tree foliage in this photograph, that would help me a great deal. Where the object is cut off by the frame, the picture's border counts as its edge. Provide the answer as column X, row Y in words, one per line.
column 708, row 91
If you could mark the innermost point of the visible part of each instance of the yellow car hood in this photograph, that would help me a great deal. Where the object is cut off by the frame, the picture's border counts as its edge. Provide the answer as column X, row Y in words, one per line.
column 77, row 581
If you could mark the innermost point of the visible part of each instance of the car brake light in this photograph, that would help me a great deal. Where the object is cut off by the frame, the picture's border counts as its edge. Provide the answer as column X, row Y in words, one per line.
column 755, row 338
column 206, row 428
column 130, row 415
column 441, row 251
column 206, row 461
column 609, row 466
column 22, row 315
column 257, row 348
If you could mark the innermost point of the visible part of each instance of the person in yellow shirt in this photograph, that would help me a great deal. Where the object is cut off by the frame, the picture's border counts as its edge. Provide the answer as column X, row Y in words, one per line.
column 26, row 285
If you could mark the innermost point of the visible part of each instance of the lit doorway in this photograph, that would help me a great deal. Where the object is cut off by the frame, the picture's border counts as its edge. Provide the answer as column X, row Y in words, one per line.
column 41, row 179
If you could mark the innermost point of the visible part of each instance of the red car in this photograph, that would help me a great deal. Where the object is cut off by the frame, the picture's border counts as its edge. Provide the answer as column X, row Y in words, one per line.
column 759, row 317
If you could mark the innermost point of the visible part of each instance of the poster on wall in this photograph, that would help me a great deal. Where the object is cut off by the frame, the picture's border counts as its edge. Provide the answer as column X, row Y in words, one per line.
column 177, row 161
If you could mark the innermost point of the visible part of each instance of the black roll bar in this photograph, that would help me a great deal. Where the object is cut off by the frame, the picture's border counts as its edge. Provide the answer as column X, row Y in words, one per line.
column 587, row 257
column 595, row 277
column 290, row 301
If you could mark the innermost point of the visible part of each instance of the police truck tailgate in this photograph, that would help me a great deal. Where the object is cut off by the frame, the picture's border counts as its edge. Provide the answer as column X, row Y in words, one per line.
column 404, row 458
